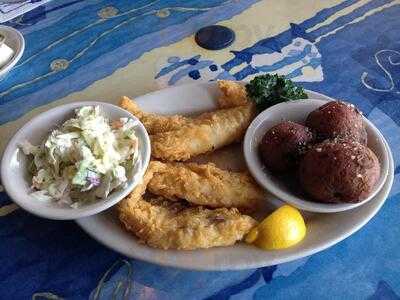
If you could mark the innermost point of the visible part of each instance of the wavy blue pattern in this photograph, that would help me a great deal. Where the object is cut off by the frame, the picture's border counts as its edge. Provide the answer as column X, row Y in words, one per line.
column 40, row 259
column 227, row 292
column 48, row 15
column 327, row 12
column 185, row 71
column 384, row 291
column 286, row 61
column 347, row 18
column 175, row 64
column 350, row 46
column 115, row 42
column 46, row 256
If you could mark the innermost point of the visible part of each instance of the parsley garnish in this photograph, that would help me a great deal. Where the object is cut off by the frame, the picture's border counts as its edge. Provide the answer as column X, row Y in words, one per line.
column 267, row 90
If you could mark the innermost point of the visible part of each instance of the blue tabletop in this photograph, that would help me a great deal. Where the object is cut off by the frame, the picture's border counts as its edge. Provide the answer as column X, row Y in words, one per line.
column 98, row 50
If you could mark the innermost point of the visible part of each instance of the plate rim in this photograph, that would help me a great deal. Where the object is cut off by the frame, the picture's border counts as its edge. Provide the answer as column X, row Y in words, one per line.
column 82, row 223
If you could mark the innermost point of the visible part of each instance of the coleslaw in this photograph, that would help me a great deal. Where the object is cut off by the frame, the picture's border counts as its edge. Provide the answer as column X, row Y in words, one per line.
column 84, row 159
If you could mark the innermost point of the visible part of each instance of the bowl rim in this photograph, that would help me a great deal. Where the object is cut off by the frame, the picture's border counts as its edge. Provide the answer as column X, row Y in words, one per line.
column 18, row 52
column 66, row 213
column 306, row 205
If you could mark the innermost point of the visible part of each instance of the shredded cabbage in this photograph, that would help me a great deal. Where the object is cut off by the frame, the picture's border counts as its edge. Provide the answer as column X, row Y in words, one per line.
column 83, row 160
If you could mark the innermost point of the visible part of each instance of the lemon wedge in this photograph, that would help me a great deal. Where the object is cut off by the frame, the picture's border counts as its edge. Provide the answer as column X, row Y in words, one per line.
column 282, row 229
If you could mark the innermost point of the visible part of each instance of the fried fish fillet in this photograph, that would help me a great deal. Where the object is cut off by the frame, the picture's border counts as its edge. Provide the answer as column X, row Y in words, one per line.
column 213, row 131
column 152, row 122
column 172, row 225
column 205, row 184
column 175, row 225
column 232, row 94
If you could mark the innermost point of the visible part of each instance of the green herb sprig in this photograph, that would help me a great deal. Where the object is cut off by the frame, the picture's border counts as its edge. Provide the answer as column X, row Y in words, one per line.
column 267, row 90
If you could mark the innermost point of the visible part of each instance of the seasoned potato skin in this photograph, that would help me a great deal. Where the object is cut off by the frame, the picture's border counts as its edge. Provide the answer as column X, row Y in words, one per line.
column 283, row 144
column 337, row 119
column 339, row 171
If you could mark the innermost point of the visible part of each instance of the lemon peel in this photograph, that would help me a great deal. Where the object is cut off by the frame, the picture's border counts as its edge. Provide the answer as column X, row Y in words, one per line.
column 284, row 228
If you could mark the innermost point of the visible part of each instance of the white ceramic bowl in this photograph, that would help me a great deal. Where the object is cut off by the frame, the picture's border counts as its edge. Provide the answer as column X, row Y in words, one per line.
column 15, row 41
column 17, row 181
column 298, row 111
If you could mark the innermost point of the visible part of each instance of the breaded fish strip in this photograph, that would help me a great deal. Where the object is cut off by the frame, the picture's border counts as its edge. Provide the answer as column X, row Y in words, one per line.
column 174, row 225
column 232, row 94
column 213, row 131
column 205, row 185
column 152, row 122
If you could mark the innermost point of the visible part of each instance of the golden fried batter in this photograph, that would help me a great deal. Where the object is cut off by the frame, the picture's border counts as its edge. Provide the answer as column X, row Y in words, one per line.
column 152, row 122
column 212, row 131
column 232, row 94
column 174, row 225
column 205, row 185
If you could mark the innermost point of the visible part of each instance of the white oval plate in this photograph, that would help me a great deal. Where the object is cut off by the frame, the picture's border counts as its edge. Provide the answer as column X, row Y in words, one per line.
column 324, row 230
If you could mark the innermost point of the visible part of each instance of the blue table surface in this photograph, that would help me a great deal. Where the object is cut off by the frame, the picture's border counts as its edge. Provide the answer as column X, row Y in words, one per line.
column 356, row 57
